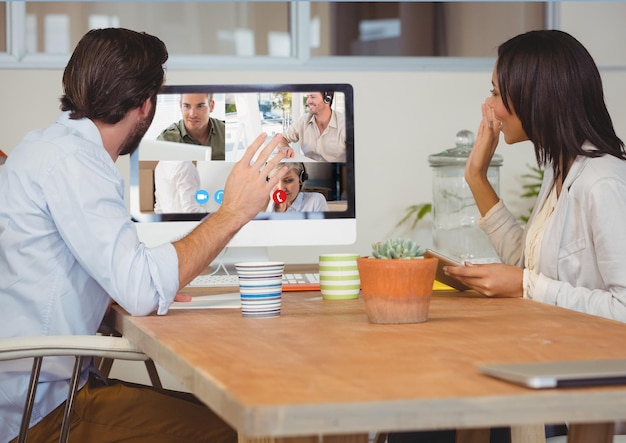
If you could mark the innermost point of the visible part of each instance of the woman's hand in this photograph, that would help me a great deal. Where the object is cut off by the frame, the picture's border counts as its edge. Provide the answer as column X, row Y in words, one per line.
column 492, row 280
column 479, row 159
column 485, row 145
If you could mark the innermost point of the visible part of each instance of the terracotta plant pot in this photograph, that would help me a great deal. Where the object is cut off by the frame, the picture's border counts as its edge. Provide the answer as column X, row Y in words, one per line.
column 397, row 291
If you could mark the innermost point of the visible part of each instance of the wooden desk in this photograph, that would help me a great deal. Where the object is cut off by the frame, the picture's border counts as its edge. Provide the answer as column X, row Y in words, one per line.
column 321, row 368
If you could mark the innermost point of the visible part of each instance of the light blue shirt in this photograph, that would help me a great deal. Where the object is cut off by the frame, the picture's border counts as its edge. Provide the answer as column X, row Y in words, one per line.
column 67, row 245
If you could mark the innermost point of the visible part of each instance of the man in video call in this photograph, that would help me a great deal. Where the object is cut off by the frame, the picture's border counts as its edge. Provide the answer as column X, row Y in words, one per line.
column 197, row 127
column 322, row 131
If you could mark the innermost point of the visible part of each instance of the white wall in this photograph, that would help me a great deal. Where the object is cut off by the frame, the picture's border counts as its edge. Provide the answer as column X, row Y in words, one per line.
column 400, row 119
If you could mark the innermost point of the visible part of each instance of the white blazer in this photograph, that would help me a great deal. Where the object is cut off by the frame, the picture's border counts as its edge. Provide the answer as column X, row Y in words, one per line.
column 583, row 252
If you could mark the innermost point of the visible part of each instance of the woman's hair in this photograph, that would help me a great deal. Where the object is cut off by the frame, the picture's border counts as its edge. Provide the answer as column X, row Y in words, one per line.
column 551, row 82
column 298, row 167
column 112, row 71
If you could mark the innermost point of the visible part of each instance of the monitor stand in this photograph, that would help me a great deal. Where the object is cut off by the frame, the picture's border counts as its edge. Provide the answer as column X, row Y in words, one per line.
column 224, row 263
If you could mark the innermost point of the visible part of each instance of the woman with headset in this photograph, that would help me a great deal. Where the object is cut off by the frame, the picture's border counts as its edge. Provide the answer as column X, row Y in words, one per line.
column 288, row 196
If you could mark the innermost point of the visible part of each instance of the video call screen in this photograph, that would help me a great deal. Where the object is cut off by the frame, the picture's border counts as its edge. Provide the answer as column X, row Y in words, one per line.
column 199, row 132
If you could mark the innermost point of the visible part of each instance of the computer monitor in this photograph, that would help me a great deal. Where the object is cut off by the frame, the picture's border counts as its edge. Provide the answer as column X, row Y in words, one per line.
column 246, row 111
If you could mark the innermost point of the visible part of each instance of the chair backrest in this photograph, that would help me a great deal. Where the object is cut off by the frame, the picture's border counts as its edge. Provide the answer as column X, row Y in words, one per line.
column 77, row 346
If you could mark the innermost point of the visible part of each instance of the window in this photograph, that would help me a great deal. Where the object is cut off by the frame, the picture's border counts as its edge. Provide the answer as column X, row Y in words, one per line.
column 296, row 33
column 187, row 28
column 422, row 29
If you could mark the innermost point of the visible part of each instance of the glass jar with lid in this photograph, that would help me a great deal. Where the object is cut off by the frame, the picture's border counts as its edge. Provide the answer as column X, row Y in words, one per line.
column 455, row 229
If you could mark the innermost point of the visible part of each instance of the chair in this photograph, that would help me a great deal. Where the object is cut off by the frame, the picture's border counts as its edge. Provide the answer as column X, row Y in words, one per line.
column 78, row 346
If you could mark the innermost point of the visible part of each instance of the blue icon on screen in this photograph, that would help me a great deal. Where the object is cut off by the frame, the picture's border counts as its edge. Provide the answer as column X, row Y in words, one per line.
column 202, row 196
column 219, row 196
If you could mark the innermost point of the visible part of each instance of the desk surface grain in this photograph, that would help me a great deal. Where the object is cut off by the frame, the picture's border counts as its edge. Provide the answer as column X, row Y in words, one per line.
column 321, row 367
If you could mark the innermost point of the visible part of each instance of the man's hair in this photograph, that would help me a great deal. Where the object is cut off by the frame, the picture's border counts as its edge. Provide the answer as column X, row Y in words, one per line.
column 209, row 95
column 551, row 82
column 111, row 72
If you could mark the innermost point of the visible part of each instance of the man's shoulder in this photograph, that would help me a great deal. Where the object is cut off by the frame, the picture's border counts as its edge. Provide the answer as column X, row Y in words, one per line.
column 172, row 133
column 305, row 120
column 217, row 122
column 338, row 117
column 63, row 138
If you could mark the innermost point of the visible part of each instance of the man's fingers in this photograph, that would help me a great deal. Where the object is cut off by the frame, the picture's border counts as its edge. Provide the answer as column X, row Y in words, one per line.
column 267, row 151
column 248, row 155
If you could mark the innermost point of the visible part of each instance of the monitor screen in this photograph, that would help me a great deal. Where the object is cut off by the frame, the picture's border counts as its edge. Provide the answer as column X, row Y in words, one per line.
column 179, row 171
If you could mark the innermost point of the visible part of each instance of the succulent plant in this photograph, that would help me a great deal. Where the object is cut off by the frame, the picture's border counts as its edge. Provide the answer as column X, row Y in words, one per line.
column 397, row 248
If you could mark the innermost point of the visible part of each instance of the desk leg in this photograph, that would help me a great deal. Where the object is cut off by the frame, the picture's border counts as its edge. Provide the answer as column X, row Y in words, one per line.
column 590, row 432
column 472, row 435
column 528, row 434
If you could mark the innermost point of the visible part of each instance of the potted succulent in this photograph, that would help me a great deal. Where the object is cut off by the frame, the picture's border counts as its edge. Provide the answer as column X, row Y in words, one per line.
column 397, row 282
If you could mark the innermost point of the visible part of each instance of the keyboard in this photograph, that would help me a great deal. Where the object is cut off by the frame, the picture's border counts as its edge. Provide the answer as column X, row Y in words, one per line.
column 291, row 281
column 214, row 281
column 301, row 282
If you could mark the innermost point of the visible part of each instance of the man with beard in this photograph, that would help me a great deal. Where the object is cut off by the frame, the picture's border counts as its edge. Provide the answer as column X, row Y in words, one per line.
column 68, row 246
column 197, row 127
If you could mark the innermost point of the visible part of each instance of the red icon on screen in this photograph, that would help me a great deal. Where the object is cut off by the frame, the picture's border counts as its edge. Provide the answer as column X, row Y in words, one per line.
column 279, row 197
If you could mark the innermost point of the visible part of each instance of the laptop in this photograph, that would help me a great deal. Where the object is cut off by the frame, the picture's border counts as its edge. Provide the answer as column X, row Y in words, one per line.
column 560, row 374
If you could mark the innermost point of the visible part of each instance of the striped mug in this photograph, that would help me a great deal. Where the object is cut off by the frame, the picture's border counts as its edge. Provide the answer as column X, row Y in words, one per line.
column 339, row 276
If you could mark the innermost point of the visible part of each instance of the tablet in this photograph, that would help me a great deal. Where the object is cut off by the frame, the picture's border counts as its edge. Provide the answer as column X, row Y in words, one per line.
column 560, row 374
column 440, row 276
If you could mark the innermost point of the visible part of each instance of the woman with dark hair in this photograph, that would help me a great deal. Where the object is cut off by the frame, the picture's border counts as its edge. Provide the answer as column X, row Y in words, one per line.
column 547, row 89
column 572, row 253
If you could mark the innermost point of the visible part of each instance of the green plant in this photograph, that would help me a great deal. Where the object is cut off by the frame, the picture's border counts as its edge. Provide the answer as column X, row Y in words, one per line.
column 416, row 213
column 397, row 248
column 532, row 188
